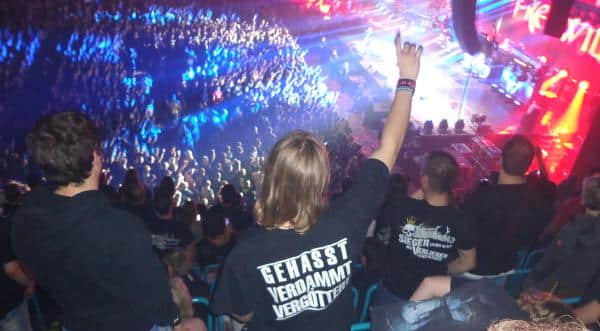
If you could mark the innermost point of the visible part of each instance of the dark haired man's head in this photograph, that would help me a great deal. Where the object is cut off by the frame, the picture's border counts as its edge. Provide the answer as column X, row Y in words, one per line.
column 12, row 193
column 163, row 201
column 215, row 229
column 167, row 185
column 590, row 194
column 439, row 172
column 517, row 155
column 229, row 195
column 66, row 146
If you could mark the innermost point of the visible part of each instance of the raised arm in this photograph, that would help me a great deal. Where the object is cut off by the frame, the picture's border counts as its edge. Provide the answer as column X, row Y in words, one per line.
column 409, row 58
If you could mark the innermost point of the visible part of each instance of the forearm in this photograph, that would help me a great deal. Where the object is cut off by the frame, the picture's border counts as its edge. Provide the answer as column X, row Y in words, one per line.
column 14, row 271
column 409, row 56
column 589, row 313
column 463, row 263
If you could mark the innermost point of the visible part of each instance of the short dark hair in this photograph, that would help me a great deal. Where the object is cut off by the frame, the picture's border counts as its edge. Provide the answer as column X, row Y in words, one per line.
column 441, row 169
column 163, row 200
column 63, row 146
column 213, row 225
column 590, row 193
column 229, row 194
column 517, row 154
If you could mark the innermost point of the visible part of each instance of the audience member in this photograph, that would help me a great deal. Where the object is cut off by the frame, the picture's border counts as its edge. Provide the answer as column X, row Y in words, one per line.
column 428, row 236
column 293, row 272
column 509, row 215
column 94, row 260
column 230, row 206
column 571, row 262
column 218, row 239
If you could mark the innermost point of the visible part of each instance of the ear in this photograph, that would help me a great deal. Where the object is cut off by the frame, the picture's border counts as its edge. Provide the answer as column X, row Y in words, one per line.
column 97, row 161
column 424, row 183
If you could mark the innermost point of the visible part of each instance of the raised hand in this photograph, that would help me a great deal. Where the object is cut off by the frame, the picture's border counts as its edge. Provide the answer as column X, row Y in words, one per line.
column 409, row 58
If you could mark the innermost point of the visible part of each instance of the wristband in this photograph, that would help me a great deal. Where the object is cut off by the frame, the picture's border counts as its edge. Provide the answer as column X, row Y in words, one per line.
column 406, row 85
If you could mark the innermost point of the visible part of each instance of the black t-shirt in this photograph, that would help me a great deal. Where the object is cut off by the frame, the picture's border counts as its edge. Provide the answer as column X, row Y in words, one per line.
column 94, row 260
column 505, row 219
column 423, row 240
column 294, row 281
column 12, row 292
column 168, row 234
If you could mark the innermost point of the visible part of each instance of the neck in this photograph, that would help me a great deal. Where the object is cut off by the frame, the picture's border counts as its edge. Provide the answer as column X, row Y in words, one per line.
column 505, row 178
column 590, row 212
column 436, row 199
column 72, row 189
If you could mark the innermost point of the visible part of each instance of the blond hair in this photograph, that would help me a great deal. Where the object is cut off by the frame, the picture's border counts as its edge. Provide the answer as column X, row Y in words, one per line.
column 296, row 174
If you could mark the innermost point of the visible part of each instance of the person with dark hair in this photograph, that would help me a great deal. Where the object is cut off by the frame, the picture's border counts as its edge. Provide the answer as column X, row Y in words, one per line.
column 165, row 230
column 572, row 261
column 428, row 237
column 509, row 214
column 230, row 206
column 94, row 260
column 133, row 195
column 293, row 271
column 218, row 239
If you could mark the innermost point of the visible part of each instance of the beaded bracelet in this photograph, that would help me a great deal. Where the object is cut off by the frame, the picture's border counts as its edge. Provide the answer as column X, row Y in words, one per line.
column 406, row 85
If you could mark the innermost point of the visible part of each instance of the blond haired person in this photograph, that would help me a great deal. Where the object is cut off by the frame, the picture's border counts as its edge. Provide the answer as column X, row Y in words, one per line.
column 293, row 272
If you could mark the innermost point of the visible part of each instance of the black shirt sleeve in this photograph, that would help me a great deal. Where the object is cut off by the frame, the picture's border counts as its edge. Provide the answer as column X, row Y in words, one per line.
column 232, row 294
column 359, row 206
column 135, row 261
column 465, row 239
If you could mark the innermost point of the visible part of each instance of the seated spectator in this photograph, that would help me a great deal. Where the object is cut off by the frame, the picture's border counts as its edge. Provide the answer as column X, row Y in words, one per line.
column 509, row 214
column 567, row 209
column 179, row 264
column 293, row 271
column 164, row 229
column 571, row 262
column 218, row 239
column 230, row 206
column 15, row 284
column 94, row 260
column 133, row 195
column 428, row 236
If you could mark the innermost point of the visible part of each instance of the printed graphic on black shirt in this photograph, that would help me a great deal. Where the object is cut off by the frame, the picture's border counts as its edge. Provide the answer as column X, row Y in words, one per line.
column 426, row 242
column 311, row 280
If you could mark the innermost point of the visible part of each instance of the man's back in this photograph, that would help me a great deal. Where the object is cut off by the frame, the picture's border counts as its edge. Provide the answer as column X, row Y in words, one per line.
column 95, row 261
column 507, row 218
column 424, row 240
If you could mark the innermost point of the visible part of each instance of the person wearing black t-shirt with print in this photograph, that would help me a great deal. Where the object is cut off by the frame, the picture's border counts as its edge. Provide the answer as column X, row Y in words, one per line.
column 509, row 214
column 293, row 271
column 94, row 260
column 428, row 236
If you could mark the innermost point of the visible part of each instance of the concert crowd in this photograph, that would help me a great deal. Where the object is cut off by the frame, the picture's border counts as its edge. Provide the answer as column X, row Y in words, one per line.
column 171, row 167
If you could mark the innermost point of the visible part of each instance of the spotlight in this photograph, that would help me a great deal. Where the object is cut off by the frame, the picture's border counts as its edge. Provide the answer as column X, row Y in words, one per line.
column 459, row 127
column 428, row 127
column 584, row 84
column 443, row 127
